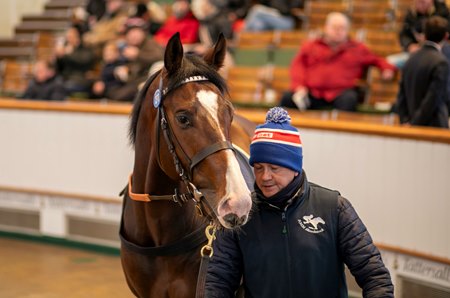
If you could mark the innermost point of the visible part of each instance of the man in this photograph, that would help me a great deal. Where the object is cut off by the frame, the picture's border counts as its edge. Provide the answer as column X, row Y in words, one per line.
column 74, row 61
column 326, row 70
column 422, row 99
column 412, row 33
column 46, row 84
column 299, row 235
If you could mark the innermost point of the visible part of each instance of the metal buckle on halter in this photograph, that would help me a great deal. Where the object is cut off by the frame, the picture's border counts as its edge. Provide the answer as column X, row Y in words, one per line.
column 197, row 198
column 197, row 195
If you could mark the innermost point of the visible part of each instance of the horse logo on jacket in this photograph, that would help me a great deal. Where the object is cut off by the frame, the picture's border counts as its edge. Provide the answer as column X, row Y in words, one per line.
column 311, row 224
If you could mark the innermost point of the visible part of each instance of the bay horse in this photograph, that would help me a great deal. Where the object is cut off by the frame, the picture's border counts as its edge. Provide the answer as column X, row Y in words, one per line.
column 181, row 127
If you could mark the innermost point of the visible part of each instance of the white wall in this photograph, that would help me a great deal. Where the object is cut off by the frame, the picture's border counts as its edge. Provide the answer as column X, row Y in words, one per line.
column 86, row 154
column 12, row 10
column 398, row 186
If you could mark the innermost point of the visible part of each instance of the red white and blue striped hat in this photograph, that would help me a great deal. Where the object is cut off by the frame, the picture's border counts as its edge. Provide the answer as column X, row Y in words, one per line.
column 277, row 142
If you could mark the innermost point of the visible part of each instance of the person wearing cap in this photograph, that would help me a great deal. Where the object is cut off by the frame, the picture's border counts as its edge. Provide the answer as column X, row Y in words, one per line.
column 299, row 235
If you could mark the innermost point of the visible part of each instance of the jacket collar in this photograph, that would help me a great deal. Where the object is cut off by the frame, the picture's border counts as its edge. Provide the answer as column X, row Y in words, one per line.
column 296, row 198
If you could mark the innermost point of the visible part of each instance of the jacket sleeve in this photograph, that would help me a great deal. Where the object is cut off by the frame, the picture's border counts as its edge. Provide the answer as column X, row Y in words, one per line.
column 360, row 255
column 297, row 68
column 225, row 267
column 401, row 105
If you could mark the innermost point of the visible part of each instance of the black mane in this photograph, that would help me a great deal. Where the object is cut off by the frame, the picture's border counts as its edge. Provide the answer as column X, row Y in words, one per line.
column 193, row 65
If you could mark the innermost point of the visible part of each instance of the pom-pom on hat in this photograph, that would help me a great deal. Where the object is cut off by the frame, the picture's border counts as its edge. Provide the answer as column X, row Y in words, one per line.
column 277, row 142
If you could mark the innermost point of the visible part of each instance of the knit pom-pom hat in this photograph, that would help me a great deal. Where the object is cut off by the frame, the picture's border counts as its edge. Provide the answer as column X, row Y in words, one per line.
column 277, row 142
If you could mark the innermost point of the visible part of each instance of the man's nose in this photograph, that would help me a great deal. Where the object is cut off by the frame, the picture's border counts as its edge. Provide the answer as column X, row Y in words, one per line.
column 267, row 174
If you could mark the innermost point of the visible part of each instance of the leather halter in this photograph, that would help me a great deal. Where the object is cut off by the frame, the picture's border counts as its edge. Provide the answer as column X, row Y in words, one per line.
column 193, row 193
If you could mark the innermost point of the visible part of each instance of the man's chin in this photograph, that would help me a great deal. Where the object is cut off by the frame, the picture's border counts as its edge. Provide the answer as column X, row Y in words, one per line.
column 269, row 191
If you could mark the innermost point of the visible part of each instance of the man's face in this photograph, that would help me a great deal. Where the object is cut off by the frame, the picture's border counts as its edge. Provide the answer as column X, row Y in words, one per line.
column 42, row 72
column 336, row 30
column 422, row 6
column 135, row 37
column 272, row 178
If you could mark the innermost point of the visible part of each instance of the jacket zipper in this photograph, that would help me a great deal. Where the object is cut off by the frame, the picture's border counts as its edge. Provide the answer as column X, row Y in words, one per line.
column 285, row 232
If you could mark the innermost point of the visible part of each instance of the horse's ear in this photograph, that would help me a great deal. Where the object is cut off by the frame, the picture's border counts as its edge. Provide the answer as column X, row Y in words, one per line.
column 173, row 56
column 216, row 55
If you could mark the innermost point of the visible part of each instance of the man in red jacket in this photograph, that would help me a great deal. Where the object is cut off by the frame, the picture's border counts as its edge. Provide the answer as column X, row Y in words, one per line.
column 326, row 70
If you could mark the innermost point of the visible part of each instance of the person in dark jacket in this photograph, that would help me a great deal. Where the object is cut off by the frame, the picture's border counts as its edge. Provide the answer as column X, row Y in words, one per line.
column 299, row 235
column 422, row 98
column 109, row 82
column 46, row 84
column 139, row 51
column 74, row 61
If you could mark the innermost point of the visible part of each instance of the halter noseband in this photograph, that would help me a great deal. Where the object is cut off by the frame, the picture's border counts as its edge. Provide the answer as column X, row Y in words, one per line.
column 186, row 177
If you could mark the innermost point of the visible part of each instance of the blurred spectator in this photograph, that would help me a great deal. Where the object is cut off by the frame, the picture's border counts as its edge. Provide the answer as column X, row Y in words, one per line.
column 46, row 84
column 411, row 35
column 95, row 10
column 212, row 21
column 140, row 52
column 237, row 11
column 152, row 13
column 422, row 99
column 108, row 25
column 182, row 21
column 73, row 61
column 325, row 72
column 272, row 15
column 109, row 81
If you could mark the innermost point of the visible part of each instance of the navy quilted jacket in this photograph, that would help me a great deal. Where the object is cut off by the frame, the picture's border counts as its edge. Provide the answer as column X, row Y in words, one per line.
column 299, row 251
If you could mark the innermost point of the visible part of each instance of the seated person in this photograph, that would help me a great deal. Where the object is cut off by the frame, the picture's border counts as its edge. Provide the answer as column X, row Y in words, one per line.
column 107, row 27
column 271, row 15
column 109, row 81
column 183, row 21
column 152, row 13
column 324, row 73
column 140, row 52
column 73, row 61
column 411, row 34
column 46, row 84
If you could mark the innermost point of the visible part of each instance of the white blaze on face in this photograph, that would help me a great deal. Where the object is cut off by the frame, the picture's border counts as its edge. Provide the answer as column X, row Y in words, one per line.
column 236, row 191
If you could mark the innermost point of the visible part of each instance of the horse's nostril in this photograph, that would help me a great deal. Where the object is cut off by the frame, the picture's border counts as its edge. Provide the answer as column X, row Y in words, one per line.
column 232, row 219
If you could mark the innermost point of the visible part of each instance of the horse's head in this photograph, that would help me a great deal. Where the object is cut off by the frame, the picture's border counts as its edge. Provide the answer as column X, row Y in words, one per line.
column 189, row 111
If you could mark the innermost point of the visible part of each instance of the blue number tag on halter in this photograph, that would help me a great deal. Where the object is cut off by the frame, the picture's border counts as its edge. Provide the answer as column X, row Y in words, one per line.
column 158, row 94
column 157, row 98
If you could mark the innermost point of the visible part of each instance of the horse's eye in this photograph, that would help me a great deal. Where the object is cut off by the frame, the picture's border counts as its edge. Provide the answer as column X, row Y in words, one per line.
column 184, row 121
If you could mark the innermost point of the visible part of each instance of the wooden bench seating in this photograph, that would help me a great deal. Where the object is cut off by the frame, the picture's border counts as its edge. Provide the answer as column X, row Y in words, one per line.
column 18, row 52
column 49, row 15
column 262, row 85
column 382, row 42
column 64, row 4
column 37, row 26
column 381, row 94
column 15, row 76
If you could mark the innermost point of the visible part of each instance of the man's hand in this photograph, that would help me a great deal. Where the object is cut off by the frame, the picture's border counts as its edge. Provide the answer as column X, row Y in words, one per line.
column 413, row 47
